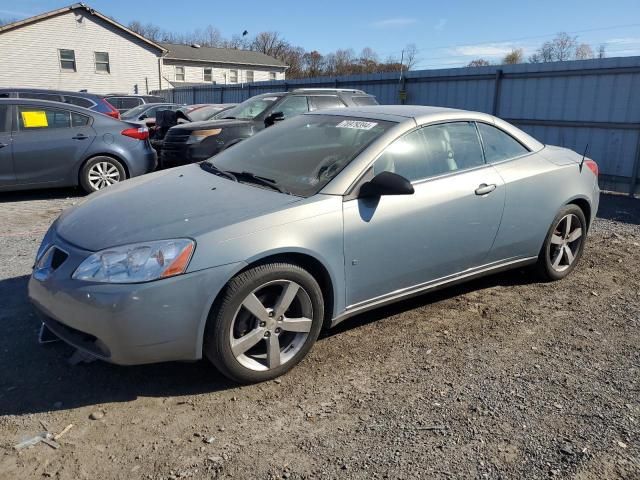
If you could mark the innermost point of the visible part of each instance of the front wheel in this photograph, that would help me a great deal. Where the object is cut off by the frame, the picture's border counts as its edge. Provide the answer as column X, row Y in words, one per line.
column 564, row 244
column 266, row 322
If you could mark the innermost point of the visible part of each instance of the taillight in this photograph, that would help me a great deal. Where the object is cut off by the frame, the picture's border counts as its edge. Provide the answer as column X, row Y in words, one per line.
column 593, row 166
column 141, row 133
column 111, row 110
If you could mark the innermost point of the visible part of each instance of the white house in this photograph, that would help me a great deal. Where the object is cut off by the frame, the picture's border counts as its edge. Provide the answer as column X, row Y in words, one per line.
column 78, row 48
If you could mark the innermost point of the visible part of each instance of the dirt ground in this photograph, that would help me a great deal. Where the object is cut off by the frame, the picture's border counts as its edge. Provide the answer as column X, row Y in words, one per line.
column 500, row 378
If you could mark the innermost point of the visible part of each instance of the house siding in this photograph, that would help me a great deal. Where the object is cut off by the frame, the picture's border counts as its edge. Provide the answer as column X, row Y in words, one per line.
column 29, row 56
column 194, row 72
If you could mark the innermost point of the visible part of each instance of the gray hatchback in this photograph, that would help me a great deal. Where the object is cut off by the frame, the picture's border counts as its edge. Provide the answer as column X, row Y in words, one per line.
column 50, row 144
column 324, row 216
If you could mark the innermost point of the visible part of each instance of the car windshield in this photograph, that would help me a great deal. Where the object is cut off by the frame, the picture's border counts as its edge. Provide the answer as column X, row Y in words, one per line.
column 302, row 154
column 203, row 113
column 135, row 112
column 249, row 109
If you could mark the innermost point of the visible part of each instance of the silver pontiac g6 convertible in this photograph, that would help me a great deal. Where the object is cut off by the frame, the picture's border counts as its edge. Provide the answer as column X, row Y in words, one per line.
column 244, row 258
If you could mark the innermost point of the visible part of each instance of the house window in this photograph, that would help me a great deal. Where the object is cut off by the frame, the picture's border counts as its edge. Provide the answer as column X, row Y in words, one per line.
column 67, row 60
column 272, row 75
column 179, row 74
column 208, row 75
column 233, row 76
column 102, row 62
column 249, row 76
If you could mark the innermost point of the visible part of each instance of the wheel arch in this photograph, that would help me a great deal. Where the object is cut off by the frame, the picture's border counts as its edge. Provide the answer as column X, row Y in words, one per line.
column 583, row 204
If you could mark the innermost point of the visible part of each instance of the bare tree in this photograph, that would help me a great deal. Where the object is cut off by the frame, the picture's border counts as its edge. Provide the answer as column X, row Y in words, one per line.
column 561, row 48
column 410, row 56
column 269, row 43
column 314, row 63
column 514, row 57
column 479, row 62
column 584, row 52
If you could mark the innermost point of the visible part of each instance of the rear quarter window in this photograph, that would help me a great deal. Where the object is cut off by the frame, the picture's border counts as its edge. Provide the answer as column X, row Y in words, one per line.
column 364, row 101
column 499, row 145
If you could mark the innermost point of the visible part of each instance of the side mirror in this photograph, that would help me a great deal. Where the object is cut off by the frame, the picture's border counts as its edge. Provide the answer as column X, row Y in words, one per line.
column 386, row 183
column 273, row 118
column 143, row 116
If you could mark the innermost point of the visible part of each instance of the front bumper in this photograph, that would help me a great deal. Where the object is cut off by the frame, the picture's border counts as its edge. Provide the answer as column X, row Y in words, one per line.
column 176, row 154
column 128, row 324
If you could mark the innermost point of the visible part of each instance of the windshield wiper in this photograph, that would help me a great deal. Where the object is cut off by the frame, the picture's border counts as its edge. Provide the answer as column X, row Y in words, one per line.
column 267, row 182
column 211, row 168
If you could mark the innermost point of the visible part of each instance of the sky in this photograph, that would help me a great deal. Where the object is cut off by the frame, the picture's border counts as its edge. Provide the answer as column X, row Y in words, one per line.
column 446, row 33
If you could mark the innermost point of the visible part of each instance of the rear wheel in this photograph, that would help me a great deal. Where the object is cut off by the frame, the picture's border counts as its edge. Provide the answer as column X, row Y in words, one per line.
column 101, row 172
column 267, row 321
column 564, row 244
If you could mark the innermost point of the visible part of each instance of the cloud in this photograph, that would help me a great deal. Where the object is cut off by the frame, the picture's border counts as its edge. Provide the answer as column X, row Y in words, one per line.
column 394, row 22
column 440, row 25
column 485, row 49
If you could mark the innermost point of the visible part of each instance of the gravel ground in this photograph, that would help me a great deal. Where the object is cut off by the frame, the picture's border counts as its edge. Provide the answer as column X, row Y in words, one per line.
column 503, row 377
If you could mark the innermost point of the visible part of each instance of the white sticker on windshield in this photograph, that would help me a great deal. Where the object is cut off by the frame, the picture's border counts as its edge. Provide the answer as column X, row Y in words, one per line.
column 356, row 124
column 269, row 99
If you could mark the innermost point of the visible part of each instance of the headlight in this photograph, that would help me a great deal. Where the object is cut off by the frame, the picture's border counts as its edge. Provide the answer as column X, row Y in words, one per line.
column 138, row 262
column 45, row 244
column 199, row 135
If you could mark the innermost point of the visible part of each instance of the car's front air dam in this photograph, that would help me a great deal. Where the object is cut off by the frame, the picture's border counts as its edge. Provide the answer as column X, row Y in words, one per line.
column 140, row 323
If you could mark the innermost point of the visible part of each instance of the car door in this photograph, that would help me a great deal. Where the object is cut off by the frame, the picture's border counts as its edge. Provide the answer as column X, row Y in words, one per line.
column 48, row 143
column 7, row 175
column 446, row 227
column 529, row 206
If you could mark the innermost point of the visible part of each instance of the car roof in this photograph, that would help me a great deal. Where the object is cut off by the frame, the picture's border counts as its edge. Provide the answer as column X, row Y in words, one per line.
column 49, row 103
column 45, row 90
column 424, row 114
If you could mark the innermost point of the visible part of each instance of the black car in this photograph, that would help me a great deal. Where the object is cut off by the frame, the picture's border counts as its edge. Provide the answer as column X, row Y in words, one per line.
column 198, row 141
column 92, row 101
column 123, row 102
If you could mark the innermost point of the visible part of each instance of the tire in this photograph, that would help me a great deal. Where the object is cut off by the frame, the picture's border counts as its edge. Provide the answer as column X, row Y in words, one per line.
column 563, row 245
column 100, row 172
column 242, row 344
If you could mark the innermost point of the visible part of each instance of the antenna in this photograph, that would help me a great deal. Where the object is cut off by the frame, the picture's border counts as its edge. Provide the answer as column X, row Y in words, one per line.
column 586, row 150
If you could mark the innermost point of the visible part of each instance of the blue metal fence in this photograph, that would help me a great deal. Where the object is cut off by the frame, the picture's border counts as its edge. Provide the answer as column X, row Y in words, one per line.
column 572, row 104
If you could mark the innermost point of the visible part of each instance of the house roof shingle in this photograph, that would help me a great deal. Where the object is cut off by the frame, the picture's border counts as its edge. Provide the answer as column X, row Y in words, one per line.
column 219, row 55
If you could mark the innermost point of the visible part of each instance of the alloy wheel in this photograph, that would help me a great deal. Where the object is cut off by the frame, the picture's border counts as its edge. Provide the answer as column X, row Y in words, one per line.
column 565, row 242
column 103, row 174
column 271, row 325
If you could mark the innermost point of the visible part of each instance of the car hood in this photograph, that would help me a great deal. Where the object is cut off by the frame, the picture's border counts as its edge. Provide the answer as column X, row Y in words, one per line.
column 176, row 203
column 210, row 124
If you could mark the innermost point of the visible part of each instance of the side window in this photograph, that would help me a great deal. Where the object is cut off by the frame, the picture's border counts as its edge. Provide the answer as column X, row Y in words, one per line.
column 115, row 102
column 79, row 101
column 127, row 103
column 78, row 120
column 432, row 151
column 452, row 146
column 40, row 96
column 4, row 123
column 405, row 156
column 292, row 106
column 499, row 145
column 364, row 101
column 326, row 101
column 37, row 118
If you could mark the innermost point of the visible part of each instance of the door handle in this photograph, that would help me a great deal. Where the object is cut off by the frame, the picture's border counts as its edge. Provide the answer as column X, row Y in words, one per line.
column 80, row 136
column 484, row 189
